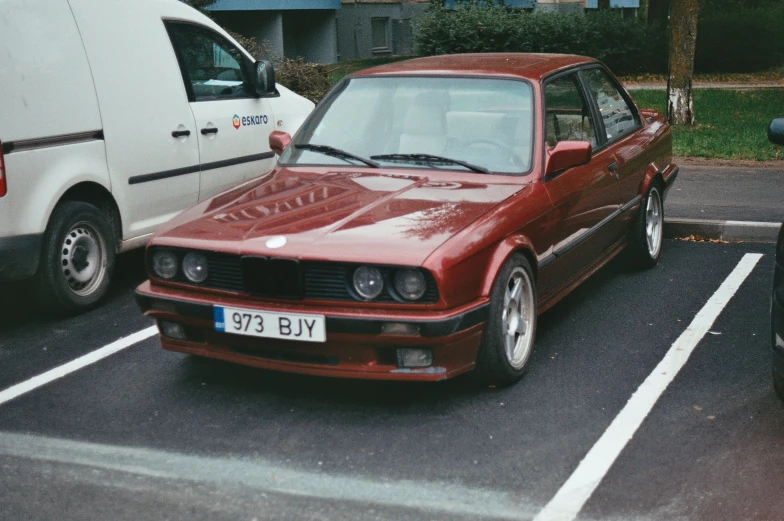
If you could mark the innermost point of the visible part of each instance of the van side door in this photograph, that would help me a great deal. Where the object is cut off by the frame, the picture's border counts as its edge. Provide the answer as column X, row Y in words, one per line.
column 233, row 123
column 149, row 131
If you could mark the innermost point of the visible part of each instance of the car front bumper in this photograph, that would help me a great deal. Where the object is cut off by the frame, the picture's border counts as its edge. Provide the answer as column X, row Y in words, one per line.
column 357, row 344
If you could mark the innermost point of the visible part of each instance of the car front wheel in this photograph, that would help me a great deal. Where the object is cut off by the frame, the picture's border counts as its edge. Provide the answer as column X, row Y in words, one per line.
column 508, row 338
column 77, row 258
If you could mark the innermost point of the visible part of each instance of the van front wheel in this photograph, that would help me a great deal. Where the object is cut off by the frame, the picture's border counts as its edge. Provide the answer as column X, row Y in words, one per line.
column 77, row 258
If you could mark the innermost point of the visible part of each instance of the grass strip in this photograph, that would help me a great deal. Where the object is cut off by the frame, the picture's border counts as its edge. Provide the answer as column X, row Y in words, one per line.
column 730, row 124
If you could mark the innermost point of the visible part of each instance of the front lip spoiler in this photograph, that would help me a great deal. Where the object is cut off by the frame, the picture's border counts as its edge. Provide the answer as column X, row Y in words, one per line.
column 357, row 326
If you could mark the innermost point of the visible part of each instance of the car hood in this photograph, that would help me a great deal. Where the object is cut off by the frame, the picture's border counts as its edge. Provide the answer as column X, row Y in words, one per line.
column 365, row 216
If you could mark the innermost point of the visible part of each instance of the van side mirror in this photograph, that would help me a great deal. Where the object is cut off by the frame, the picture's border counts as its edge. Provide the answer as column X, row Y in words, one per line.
column 264, row 81
column 776, row 131
column 567, row 154
column 279, row 141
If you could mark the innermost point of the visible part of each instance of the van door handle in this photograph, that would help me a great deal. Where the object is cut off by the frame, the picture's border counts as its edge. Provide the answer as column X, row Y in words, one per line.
column 212, row 130
column 180, row 133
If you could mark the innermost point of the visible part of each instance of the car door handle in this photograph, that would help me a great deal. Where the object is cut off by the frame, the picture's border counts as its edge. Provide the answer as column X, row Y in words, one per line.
column 180, row 133
column 212, row 130
column 612, row 167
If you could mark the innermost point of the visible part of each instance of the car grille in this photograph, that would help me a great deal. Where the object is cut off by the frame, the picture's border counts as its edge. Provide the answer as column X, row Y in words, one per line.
column 293, row 279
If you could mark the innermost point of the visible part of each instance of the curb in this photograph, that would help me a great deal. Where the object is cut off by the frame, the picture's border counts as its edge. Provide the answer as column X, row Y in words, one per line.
column 730, row 231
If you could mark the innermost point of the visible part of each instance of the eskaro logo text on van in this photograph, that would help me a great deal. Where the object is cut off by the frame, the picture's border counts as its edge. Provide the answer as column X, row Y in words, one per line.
column 245, row 121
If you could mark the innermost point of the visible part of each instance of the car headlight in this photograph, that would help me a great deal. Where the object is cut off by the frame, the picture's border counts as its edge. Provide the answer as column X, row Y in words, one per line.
column 368, row 282
column 194, row 266
column 165, row 264
column 410, row 284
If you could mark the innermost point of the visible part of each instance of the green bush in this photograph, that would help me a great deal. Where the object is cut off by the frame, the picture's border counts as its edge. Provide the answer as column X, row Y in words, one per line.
column 626, row 45
column 310, row 80
column 730, row 37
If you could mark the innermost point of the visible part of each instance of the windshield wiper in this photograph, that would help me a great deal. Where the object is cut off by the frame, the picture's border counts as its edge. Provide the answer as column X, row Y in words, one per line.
column 335, row 152
column 429, row 158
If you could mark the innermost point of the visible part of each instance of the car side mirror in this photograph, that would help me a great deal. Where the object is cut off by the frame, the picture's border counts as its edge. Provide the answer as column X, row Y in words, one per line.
column 776, row 131
column 567, row 154
column 279, row 141
column 264, row 83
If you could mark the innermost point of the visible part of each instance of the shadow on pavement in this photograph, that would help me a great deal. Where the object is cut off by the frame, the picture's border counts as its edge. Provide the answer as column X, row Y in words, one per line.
column 18, row 307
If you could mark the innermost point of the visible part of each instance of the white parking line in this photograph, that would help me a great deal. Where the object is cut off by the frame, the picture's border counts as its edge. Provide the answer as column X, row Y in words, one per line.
column 75, row 365
column 571, row 497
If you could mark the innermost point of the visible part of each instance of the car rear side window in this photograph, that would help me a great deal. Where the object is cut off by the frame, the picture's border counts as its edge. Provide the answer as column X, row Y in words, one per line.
column 567, row 116
column 618, row 116
column 210, row 64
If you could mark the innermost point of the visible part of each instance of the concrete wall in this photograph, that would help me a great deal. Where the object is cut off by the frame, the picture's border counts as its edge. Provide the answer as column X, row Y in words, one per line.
column 561, row 6
column 311, row 35
column 266, row 27
column 355, row 28
column 292, row 33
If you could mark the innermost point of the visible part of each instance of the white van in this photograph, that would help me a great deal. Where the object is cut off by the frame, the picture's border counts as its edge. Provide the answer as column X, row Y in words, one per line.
column 116, row 115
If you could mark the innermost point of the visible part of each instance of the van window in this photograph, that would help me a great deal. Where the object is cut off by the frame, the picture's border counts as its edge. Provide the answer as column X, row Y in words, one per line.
column 211, row 66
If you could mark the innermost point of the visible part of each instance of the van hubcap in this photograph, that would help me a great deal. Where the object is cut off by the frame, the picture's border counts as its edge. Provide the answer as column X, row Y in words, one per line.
column 83, row 259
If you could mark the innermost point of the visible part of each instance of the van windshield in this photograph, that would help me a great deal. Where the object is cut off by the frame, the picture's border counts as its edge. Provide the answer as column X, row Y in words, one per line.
column 437, row 122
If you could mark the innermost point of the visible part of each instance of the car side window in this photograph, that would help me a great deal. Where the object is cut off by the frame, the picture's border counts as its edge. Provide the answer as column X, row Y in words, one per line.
column 210, row 64
column 618, row 116
column 567, row 116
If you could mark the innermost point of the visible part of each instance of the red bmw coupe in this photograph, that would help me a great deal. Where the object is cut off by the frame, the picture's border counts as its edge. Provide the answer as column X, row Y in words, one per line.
column 422, row 217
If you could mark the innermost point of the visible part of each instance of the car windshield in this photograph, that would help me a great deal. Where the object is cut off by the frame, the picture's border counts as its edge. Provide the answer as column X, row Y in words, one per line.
column 469, row 124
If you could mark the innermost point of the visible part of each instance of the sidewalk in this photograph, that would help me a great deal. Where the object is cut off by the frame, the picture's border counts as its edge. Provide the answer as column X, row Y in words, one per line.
column 736, row 203
column 708, row 85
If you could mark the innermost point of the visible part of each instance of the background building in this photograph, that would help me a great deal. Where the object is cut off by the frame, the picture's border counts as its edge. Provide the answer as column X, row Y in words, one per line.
column 292, row 28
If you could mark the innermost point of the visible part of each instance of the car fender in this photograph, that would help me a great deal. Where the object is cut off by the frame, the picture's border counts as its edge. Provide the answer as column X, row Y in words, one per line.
column 652, row 173
column 503, row 250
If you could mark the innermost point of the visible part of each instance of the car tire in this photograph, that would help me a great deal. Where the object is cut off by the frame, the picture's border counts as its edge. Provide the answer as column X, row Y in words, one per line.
column 77, row 259
column 508, row 338
column 778, row 384
column 648, row 233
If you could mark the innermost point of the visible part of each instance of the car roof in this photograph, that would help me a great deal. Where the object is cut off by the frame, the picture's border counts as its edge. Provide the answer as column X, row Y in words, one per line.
column 531, row 66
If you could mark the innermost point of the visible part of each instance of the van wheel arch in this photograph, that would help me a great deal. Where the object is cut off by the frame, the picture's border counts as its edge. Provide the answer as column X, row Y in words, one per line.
column 98, row 196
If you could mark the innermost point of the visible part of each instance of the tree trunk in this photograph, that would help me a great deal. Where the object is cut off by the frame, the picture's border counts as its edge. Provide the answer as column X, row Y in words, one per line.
column 683, row 40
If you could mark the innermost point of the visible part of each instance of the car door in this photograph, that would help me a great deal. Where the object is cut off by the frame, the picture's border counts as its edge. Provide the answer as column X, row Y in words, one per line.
column 619, row 124
column 585, row 198
column 233, row 123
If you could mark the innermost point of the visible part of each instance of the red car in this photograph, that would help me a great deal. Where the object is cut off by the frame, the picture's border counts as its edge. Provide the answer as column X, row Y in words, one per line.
column 422, row 217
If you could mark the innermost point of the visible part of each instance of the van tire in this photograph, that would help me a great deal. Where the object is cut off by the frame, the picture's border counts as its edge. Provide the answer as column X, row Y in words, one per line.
column 77, row 259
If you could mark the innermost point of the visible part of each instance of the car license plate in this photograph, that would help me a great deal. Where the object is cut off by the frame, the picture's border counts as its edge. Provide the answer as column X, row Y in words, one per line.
column 268, row 324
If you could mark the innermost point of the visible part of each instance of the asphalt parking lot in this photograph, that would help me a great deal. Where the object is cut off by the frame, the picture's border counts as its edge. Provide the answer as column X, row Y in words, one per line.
column 148, row 434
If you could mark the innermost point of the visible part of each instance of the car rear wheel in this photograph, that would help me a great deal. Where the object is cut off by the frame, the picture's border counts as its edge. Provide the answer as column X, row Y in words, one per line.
column 77, row 259
column 646, row 244
column 508, row 338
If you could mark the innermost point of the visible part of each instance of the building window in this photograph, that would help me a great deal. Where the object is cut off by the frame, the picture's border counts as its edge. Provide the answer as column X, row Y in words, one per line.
column 379, row 29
